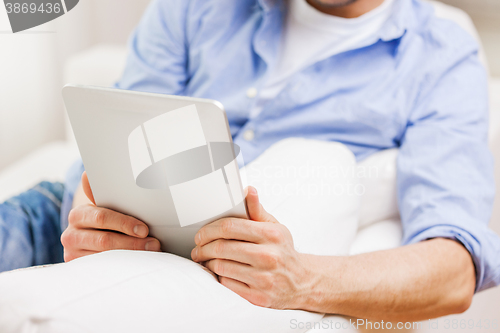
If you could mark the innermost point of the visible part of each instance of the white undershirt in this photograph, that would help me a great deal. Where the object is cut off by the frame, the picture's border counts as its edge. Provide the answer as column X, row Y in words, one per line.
column 311, row 36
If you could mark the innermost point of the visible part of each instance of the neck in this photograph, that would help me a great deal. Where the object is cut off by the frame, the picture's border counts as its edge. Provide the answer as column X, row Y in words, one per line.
column 352, row 10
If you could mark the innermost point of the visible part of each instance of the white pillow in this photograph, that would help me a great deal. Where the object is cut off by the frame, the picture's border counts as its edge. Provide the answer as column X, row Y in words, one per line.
column 377, row 174
column 382, row 235
column 317, row 177
column 126, row 291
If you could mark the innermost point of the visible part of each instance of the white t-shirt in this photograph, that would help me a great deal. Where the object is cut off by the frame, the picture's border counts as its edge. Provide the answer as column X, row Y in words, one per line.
column 311, row 36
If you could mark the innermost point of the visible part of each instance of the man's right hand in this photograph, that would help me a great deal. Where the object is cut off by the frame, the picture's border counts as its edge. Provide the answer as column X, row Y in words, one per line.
column 93, row 229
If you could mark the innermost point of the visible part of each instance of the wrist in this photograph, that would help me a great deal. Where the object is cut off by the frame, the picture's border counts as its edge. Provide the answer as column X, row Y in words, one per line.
column 321, row 287
column 312, row 279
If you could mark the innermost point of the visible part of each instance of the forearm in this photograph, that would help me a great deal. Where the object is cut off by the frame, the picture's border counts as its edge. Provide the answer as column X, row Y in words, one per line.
column 421, row 281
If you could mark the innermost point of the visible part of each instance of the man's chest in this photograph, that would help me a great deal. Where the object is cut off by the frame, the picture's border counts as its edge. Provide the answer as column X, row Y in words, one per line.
column 360, row 97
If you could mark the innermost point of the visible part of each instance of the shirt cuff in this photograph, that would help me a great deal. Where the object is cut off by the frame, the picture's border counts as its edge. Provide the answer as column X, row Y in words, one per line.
column 487, row 267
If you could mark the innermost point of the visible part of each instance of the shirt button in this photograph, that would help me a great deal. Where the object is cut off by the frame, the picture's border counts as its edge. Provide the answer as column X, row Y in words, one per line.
column 252, row 92
column 249, row 135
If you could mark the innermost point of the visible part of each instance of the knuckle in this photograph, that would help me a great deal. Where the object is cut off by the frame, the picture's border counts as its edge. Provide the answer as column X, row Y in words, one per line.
column 74, row 216
column 104, row 241
column 227, row 226
column 219, row 267
column 67, row 238
column 270, row 259
column 274, row 235
column 125, row 226
column 219, row 247
column 262, row 300
column 99, row 217
column 201, row 234
column 265, row 281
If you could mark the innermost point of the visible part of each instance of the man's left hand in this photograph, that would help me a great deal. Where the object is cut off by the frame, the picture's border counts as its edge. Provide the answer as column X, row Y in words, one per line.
column 254, row 258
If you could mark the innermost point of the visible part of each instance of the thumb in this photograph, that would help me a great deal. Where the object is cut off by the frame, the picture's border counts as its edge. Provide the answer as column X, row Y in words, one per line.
column 86, row 187
column 255, row 209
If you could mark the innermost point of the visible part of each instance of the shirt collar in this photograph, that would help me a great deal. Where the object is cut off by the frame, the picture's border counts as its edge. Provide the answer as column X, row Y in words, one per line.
column 402, row 19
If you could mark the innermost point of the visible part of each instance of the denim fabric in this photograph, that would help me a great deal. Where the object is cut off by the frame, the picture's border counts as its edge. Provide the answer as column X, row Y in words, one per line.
column 30, row 228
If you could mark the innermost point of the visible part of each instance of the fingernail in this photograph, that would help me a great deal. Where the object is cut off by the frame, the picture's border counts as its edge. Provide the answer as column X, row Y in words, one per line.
column 198, row 239
column 150, row 246
column 195, row 253
column 140, row 230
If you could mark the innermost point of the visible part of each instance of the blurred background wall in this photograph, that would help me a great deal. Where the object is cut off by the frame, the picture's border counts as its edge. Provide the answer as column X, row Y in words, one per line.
column 486, row 16
column 32, row 63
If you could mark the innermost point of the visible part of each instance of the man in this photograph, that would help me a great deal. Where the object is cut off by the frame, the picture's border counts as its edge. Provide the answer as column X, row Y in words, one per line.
column 370, row 74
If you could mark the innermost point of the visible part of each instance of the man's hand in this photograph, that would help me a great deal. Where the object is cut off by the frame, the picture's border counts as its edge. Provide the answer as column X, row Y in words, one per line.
column 93, row 229
column 254, row 258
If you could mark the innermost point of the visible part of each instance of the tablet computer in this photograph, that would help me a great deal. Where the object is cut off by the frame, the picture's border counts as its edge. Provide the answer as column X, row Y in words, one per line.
column 167, row 160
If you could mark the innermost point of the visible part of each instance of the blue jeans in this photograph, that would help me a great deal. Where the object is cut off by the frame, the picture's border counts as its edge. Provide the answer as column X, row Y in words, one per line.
column 30, row 228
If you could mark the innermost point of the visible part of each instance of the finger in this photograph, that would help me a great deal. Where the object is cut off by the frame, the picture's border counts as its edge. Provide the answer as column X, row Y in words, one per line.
column 91, row 217
column 86, row 187
column 242, row 252
column 230, row 269
column 255, row 210
column 72, row 255
column 95, row 240
column 229, row 228
column 236, row 286
column 208, row 270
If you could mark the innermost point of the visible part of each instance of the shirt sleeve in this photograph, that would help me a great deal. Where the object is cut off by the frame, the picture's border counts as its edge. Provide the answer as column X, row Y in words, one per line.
column 157, row 62
column 445, row 168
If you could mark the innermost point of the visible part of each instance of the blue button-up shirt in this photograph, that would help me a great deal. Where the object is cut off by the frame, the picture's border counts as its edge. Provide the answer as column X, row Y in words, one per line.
column 418, row 86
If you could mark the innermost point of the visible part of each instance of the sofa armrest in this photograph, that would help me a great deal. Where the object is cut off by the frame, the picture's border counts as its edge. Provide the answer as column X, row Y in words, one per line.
column 50, row 163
